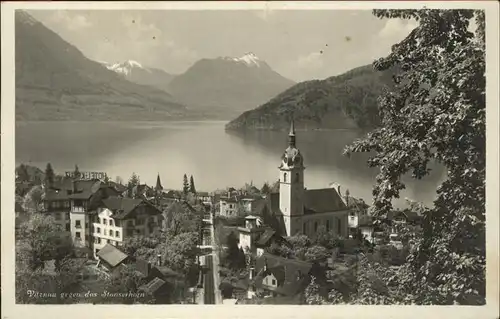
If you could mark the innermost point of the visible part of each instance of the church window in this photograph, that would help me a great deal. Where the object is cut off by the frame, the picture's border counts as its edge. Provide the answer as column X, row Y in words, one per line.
column 284, row 178
column 297, row 177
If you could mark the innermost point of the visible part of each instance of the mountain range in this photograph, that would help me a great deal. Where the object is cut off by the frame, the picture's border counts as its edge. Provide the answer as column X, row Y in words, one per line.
column 55, row 81
column 338, row 102
column 231, row 84
column 135, row 72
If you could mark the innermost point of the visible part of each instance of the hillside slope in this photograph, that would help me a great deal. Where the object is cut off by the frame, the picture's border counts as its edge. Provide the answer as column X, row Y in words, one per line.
column 55, row 81
column 345, row 101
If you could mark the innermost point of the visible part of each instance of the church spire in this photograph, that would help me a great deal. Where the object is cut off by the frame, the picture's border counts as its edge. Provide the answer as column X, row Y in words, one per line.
column 158, row 183
column 291, row 135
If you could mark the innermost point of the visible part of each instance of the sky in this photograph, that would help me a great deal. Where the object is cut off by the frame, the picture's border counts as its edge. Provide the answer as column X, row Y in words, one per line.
column 299, row 44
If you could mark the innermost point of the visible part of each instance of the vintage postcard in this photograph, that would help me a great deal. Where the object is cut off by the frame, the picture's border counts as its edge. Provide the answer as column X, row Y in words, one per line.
column 188, row 159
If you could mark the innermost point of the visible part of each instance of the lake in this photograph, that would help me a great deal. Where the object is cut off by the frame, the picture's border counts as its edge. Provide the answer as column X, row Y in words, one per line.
column 215, row 158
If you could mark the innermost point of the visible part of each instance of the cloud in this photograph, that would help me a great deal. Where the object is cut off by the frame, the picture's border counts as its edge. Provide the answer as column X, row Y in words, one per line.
column 397, row 29
column 70, row 20
column 313, row 60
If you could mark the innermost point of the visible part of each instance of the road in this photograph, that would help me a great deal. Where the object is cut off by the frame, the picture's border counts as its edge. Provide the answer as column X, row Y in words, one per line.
column 208, row 284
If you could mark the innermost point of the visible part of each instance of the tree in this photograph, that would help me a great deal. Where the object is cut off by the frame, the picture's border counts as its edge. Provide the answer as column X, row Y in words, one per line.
column 180, row 252
column 42, row 240
column 437, row 112
column 185, row 185
column 77, row 173
column 49, row 176
column 33, row 200
column 316, row 253
column 192, row 188
column 133, row 181
column 181, row 217
column 265, row 189
column 119, row 180
column 23, row 174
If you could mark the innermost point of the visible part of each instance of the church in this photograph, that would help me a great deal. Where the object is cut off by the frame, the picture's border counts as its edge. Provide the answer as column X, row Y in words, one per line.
column 295, row 209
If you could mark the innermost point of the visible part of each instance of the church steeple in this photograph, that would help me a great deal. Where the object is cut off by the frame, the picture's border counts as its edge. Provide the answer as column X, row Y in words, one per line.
column 158, row 183
column 291, row 135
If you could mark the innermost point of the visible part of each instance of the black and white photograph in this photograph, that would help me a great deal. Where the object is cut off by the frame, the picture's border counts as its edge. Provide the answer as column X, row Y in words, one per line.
column 252, row 154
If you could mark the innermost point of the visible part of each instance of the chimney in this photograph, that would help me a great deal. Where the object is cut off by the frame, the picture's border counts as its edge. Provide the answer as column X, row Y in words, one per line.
column 159, row 259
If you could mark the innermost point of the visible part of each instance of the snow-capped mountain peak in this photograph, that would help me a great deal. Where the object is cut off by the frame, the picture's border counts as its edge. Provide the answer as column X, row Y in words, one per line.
column 125, row 67
column 250, row 59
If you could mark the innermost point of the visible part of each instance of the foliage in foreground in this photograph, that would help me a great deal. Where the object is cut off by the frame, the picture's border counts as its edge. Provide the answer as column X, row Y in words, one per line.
column 436, row 113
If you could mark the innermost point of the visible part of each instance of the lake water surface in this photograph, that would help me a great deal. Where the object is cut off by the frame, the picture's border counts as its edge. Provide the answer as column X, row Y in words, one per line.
column 215, row 158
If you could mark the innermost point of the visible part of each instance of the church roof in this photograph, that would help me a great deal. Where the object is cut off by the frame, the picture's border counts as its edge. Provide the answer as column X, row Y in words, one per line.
column 316, row 201
column 322, row 201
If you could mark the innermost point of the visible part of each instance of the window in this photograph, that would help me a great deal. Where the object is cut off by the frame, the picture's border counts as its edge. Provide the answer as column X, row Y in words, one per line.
column 284, row 178
column 77, row 235
column 339, row 226
column 86, row 225
column 109, row 241
column 105, row 232
column 98, row 240
column 67, row 227
column 273, row 282
column 78, row 224
column 57, row 216
column 110, row 233
column 110, row 222
column 140, row 221
column 327, row 225
column 315, row 226
column 104, row 221
column 98, row 230
column 117, row 233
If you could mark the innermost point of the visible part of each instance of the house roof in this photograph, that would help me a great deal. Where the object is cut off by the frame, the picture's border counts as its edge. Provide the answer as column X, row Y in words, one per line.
column 265, row 237
column 153, row 286
column 111, row 255
column 292, row 273
column 69, row 188
column 123, row 208
column 407, row 214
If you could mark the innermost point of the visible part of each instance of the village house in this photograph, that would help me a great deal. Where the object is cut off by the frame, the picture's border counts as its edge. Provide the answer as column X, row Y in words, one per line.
column 204, row 197
column 69, row 202
column 254, row 238
column 119, row 218
column 280, row 277
column 110, row 258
